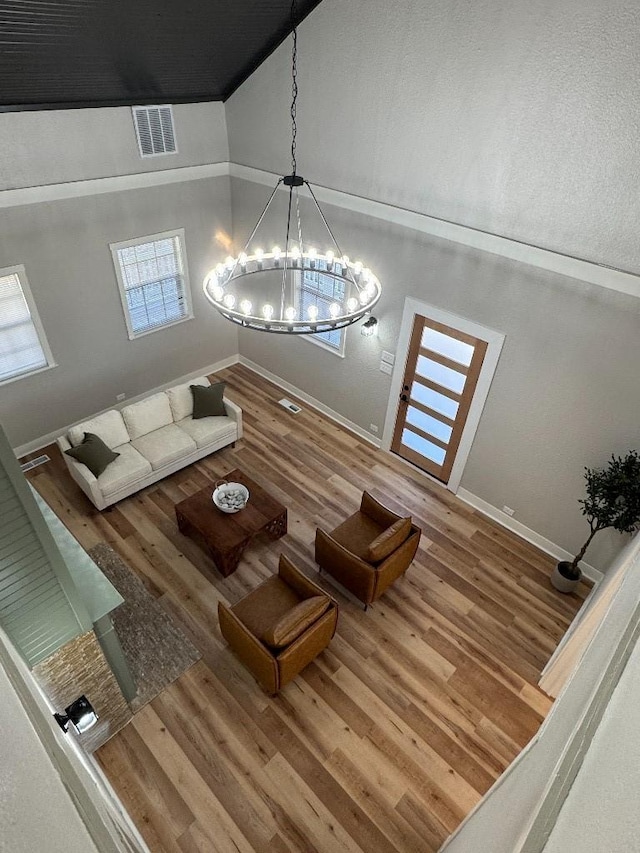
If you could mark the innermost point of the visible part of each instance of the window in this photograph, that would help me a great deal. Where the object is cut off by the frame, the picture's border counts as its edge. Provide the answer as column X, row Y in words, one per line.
column 322, row 290
column 153, row 281
column 23, row 345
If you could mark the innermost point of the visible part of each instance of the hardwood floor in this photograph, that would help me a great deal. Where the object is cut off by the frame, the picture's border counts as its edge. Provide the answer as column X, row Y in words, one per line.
column 392, row 735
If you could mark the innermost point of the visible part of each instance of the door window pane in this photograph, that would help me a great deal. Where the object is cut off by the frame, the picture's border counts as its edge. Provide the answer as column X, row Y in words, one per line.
column 450, row 347
column 429, row 424
column 444, row 376
column 423, row 447
column 434, row 400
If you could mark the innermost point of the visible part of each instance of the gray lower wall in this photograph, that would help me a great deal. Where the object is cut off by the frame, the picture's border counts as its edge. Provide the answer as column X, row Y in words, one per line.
column 566, row 393
column 64, row 246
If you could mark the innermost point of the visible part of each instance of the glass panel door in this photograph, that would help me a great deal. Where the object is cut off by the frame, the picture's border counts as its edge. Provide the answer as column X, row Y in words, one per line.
column 441, row 373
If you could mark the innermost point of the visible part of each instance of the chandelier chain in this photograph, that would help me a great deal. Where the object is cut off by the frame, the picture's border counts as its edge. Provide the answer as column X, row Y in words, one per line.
column 359, row 288
column 294, row 88
column 300, row 245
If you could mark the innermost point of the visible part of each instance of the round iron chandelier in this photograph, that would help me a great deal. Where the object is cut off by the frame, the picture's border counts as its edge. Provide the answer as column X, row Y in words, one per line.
column 295, row 287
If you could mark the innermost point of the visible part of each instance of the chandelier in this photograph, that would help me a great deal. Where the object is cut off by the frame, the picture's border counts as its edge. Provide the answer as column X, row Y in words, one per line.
column 298, row 286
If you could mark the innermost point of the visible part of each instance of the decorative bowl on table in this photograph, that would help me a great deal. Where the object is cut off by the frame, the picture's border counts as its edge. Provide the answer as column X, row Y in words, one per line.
column 230, row 497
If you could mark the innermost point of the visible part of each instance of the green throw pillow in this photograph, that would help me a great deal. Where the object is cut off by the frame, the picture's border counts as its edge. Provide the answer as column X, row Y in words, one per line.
column 207, row 401
column 93, row 453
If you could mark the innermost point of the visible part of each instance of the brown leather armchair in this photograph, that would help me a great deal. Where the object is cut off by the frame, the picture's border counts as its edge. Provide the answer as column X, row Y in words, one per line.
column 280, row 627
column 368, row 551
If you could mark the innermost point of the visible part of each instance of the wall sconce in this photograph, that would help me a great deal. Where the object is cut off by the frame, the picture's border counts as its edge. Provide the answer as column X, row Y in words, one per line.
column 369, row 328
column 80, row 714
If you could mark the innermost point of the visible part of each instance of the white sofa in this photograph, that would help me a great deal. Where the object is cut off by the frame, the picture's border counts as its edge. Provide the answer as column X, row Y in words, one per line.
column 154, row 437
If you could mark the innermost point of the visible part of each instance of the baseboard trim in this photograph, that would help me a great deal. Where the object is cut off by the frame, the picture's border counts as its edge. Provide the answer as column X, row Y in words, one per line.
column 44, row 440
column 310, row 401
column 527, row 533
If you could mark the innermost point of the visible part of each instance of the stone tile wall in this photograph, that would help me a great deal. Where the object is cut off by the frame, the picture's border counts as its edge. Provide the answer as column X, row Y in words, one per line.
column 80, row 667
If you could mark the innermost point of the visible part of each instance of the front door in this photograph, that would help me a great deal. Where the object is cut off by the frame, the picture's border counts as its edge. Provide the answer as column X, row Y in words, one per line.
column 440, row 377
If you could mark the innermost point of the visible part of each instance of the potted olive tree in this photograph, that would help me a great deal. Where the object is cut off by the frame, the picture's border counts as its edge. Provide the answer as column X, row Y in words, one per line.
column 613, row 500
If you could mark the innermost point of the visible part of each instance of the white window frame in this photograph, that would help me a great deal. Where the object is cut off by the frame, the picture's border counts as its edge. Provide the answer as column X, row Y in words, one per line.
column 23, row 281
column 316, row 339
column 126, row 244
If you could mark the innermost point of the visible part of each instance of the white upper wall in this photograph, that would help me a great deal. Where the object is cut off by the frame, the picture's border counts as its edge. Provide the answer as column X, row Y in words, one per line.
column 517, row 118
column 56, row 146
column 601, row 812
column 37, row 812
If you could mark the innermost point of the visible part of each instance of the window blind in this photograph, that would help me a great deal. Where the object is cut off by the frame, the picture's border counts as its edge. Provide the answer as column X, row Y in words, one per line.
column 321, row 290
column 20, row 348
column 153, row 283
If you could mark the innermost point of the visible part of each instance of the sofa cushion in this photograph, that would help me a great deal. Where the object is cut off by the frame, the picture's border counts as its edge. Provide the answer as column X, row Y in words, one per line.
column 164, row 446
column 128, row 468
column 207, row 402
column 181, row 398
column 289, row 627
column 147, row 415
column 207, row 430
column 390, row 539
column 109, row 426
column 93, row 453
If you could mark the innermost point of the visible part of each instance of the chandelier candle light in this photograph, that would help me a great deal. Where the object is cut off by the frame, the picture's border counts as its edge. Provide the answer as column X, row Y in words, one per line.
column 262, row 290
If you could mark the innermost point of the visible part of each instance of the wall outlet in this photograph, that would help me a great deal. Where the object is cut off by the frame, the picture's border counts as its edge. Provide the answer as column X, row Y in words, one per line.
column 120, row 397
column 373, row 428
column 508, row 511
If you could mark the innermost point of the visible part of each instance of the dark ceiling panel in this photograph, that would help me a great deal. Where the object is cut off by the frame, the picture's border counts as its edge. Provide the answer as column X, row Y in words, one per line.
column 79, row 53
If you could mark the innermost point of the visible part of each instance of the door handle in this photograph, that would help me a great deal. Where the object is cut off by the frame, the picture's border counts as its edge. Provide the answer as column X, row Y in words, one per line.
column 405, row 387
column 404, row 398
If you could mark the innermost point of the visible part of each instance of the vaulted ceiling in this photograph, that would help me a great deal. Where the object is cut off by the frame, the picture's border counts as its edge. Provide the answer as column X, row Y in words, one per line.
column 56, row 54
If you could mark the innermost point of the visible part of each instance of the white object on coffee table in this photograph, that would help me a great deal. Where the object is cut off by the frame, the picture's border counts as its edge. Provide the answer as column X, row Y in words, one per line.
column 230, row 497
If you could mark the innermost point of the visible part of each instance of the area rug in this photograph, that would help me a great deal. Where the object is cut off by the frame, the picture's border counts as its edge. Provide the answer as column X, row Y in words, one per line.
column 156, row 650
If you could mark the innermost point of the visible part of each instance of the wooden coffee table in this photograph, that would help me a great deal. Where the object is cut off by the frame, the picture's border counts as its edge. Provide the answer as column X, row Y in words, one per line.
column 226, row 535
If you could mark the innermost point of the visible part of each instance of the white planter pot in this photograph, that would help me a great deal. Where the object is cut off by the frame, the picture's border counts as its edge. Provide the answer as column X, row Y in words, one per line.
column 560, row 582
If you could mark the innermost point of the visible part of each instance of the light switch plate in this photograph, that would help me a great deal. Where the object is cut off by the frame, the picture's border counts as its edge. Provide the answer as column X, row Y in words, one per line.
column 388, row 357
column 386, row 368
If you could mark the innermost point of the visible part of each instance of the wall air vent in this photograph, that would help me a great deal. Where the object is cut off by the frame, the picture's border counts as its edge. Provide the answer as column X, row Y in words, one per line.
column 154, row 130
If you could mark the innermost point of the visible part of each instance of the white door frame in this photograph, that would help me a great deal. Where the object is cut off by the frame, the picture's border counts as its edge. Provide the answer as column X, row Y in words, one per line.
column 494, row 339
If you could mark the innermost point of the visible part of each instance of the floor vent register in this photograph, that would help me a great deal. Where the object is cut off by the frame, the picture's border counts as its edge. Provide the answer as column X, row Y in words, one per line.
column 33, row 463
column 289, row 406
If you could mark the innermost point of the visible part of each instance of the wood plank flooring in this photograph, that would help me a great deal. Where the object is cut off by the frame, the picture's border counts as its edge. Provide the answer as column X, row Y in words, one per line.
column 393, row 734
